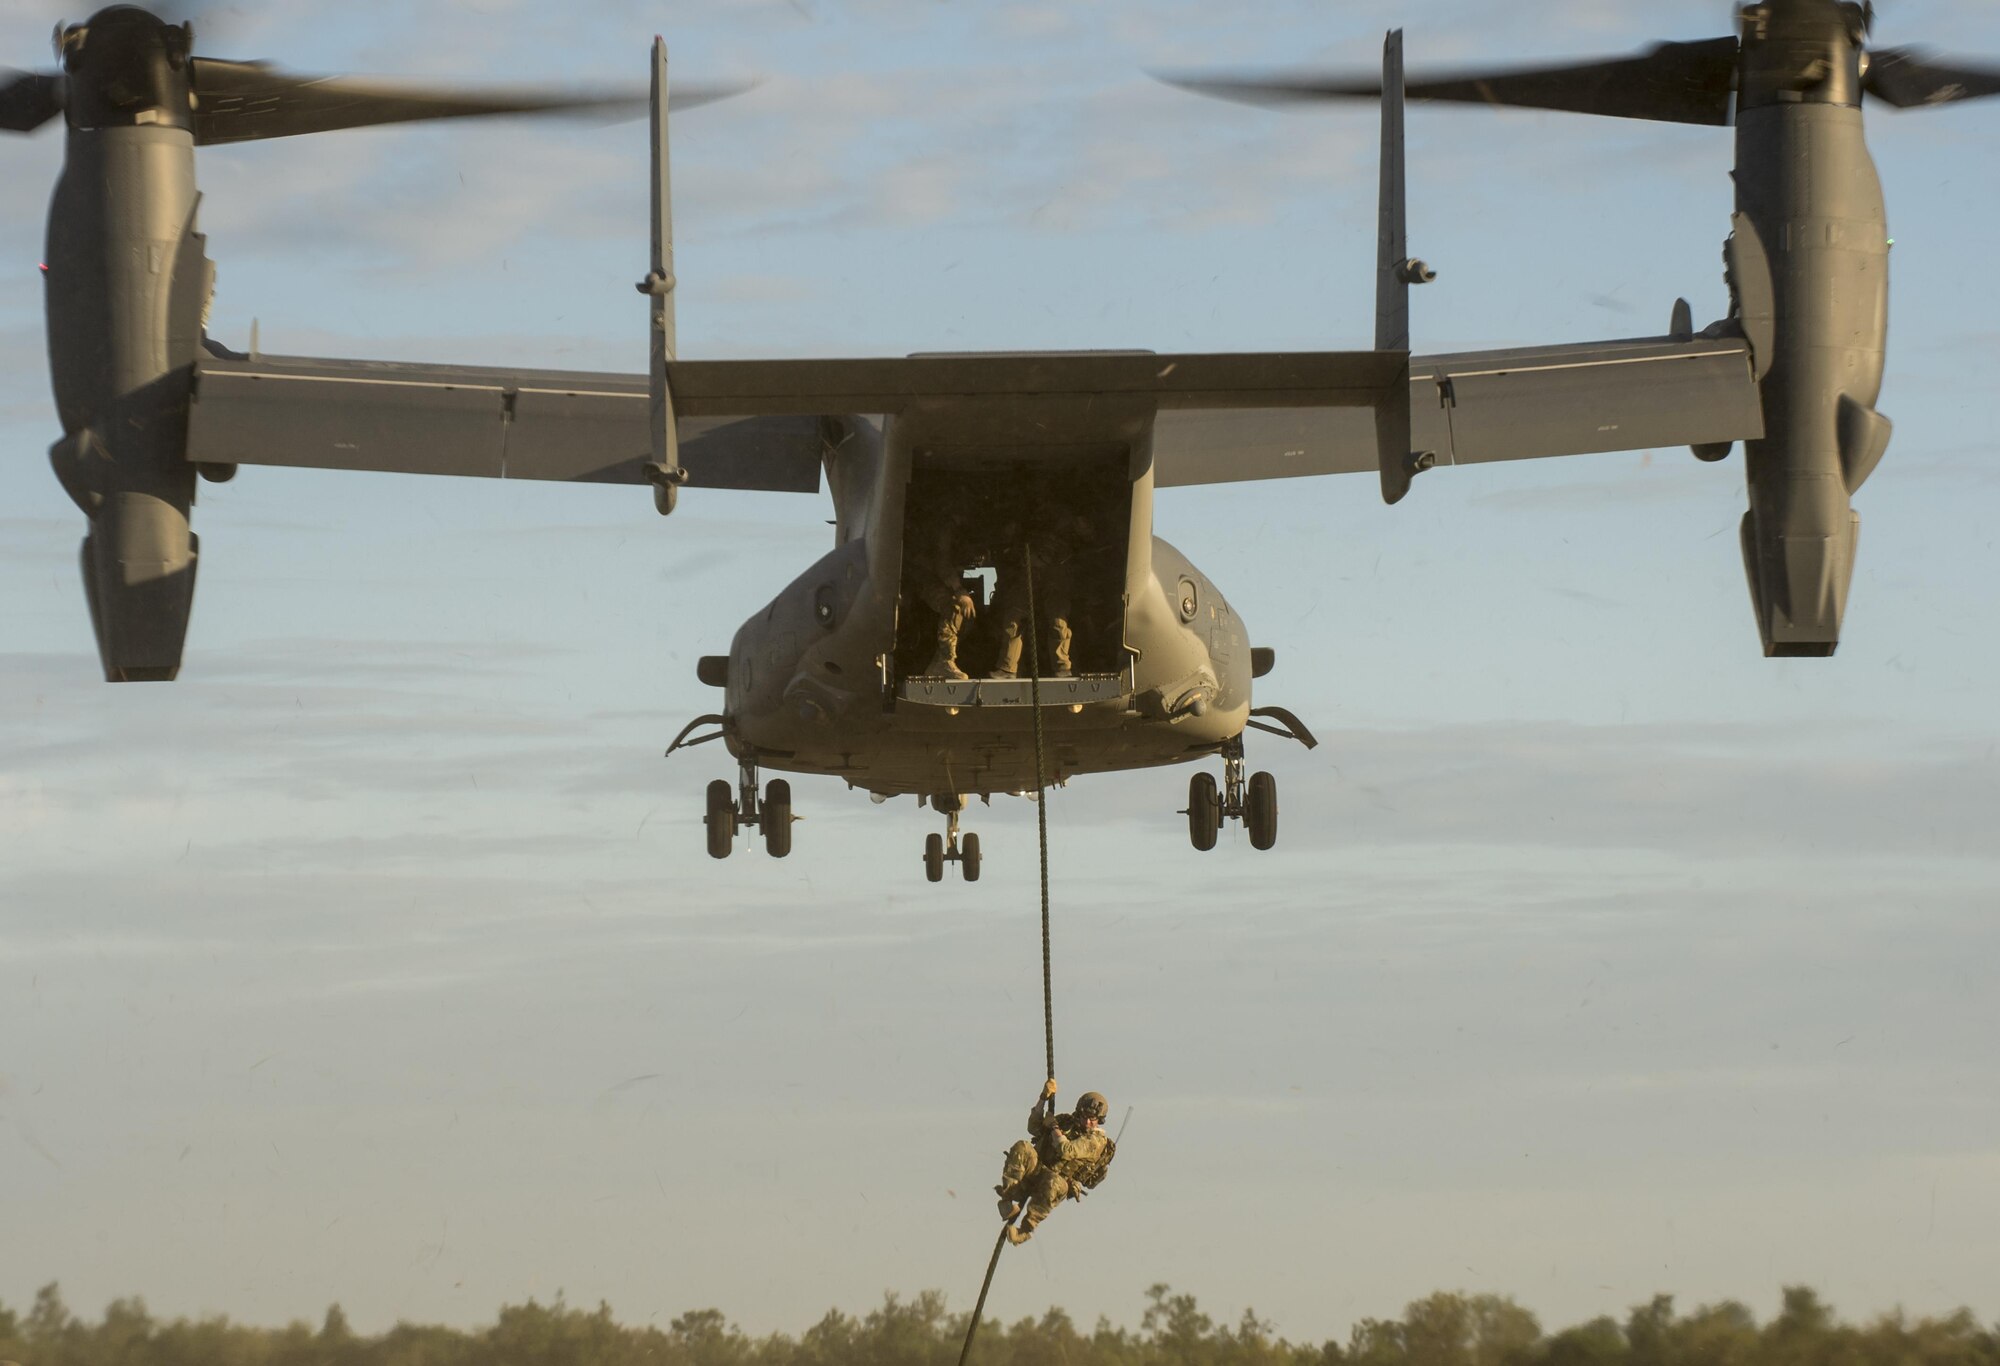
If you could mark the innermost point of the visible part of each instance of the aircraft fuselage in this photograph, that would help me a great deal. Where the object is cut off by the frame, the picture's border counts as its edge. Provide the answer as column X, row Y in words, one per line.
column 831, row 676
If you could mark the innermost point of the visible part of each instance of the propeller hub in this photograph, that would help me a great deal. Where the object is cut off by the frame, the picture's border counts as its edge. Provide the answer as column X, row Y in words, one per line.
column 126, row 68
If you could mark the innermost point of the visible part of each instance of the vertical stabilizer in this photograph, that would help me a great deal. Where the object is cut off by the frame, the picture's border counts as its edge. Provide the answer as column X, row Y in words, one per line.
column 1392, row 292
column 1395, row 272
column 665, row 469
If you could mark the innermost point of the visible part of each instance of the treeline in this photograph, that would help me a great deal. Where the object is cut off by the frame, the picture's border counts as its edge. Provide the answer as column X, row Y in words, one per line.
column 1442, row 1330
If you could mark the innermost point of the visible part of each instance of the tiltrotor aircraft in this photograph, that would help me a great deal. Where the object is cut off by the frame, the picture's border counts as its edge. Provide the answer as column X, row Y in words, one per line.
column 952, row 467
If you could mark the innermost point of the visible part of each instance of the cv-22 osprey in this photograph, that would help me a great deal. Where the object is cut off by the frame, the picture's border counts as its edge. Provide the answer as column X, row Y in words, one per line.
column 836, row 675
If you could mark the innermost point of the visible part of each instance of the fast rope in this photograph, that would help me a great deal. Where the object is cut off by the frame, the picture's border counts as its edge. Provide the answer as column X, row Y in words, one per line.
column 1041, row 812
column 1034, row 627
column 984, row 1286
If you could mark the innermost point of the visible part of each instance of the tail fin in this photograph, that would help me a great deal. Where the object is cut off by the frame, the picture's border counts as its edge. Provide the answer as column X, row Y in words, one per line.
column 1396, row 271
column 665, row 469
column 1392, row 292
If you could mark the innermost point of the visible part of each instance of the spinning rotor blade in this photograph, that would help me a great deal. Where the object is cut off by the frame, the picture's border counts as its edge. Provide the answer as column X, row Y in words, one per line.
column 28, row 100
column 1672, row 83
column 246, row 101
column 1903, row 77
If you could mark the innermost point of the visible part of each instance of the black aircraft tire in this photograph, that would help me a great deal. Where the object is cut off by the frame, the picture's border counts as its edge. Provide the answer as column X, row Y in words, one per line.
column 1260, row 810
column 778, row 818
column 721, row 820
column 1204, row 811
column 934, row 857
column 968, row 857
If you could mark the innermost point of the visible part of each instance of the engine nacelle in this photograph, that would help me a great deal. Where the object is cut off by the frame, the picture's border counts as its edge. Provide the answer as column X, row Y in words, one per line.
column 1800, row 535
column 1798, row 586
column 138, row 559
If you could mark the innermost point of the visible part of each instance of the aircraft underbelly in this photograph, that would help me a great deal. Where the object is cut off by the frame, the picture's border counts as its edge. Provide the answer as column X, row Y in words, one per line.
column 929, row 751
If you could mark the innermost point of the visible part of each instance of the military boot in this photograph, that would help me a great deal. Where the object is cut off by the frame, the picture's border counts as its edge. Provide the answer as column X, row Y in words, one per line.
column 944, row 664
column 1017, row 1236
column 1007, row 663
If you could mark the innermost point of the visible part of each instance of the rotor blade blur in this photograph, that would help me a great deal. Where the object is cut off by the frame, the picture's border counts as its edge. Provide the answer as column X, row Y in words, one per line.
column 1671, row 83
column 1907, row 79
column 247, row 101
column 28, row 99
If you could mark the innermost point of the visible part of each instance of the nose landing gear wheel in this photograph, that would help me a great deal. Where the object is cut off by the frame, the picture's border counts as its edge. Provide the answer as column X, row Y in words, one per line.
column 777, row 818
column 951, row 846
column 721, row 819
column 1204, row 811
column 1260, row 810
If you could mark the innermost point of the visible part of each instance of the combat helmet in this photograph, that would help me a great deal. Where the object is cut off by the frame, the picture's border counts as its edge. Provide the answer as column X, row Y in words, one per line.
column 1091, row 1105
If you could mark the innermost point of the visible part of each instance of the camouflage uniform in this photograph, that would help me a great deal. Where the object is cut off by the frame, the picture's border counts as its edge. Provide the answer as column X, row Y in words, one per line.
column 1060, row 1160
column 955, row 611
column 941, row 585
column 1053, row 552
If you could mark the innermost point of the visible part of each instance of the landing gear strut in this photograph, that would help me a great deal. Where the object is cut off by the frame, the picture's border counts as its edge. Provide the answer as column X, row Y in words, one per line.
column 730, row 809
column 1253, row 801
column 951, row 846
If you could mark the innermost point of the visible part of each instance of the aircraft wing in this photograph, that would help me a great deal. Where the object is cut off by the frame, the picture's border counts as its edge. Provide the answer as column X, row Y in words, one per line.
column 743, row 424
column 1491, row 405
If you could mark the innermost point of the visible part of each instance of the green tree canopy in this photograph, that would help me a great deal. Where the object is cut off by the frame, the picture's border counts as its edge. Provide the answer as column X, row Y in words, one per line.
column 1445, row 1329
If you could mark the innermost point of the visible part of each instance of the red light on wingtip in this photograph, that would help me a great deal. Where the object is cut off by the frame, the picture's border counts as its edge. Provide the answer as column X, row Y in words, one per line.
column 45, row 267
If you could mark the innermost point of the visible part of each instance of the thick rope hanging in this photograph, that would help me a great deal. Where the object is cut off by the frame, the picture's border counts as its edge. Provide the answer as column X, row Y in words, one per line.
column 1041, row 814
column 1034, row 627
column 984, row 1286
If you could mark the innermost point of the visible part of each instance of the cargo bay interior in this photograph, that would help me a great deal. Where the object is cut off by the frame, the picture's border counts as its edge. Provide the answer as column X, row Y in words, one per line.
column 968, row 518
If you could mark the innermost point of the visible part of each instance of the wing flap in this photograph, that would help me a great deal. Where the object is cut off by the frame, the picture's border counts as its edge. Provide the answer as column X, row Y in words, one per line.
column 1481, row 406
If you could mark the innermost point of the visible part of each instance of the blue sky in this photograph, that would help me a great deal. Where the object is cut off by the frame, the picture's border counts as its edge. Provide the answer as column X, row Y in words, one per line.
column 377, row 958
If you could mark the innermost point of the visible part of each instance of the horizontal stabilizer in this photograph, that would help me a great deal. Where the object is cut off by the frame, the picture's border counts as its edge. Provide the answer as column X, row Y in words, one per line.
column 751, row 424
column 496, row 424
column 1475, row 407
column 1308, row 379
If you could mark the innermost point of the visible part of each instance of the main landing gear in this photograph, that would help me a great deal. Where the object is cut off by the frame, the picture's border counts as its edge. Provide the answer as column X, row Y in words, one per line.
column 1254, row 800
column 728, row 809
column 951, row 847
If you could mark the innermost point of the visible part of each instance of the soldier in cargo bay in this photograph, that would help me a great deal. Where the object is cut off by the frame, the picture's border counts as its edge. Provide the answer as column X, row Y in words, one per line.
column 1055, row 545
